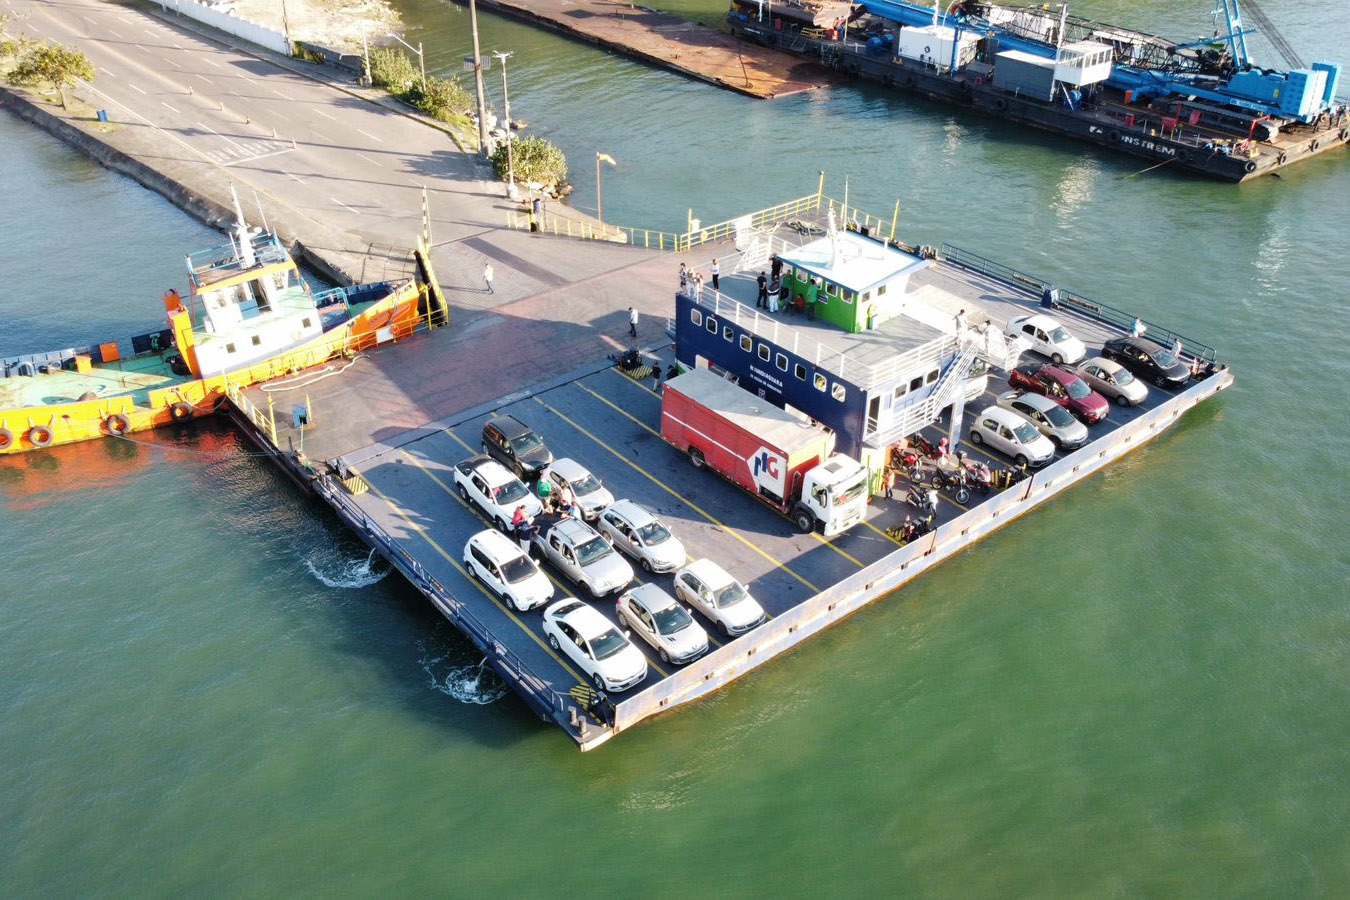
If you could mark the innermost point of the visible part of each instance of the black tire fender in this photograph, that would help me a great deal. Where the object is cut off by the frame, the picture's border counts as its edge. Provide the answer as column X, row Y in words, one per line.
column 1113, row 136
column 1250, row 166
column 1000, row 104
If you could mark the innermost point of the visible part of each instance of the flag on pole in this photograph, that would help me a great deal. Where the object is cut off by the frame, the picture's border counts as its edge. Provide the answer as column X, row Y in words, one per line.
column 606, row 158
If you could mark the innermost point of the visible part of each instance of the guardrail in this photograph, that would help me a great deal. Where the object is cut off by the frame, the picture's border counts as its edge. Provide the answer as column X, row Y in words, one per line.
column 1085, row 306
column 880, row 578
column 548, row 703
column 264, row 422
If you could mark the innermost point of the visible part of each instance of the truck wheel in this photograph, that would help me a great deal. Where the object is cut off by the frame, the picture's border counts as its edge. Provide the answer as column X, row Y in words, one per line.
column 804, row 519
column 696, row 458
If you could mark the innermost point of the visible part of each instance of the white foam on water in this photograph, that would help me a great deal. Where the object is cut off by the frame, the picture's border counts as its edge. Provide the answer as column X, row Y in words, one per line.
column 477, row 683
column 338, row 571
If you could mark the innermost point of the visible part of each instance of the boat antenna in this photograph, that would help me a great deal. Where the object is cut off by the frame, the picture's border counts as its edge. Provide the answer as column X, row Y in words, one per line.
column 262, row 215
column 1059, row 42
column 245, row 244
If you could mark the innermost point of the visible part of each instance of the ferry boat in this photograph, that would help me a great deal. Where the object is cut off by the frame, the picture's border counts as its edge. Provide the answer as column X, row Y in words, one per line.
column 1202, row 106
column 249, row 316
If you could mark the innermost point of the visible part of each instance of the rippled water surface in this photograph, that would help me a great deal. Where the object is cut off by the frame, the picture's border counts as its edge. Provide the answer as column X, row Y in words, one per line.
column 208, row 687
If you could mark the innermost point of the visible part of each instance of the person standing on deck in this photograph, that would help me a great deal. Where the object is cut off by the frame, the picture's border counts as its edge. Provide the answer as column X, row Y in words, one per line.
column 684, row 278
column 961, row 324
column 775, row 267
column 1177, row 347
column 632, row 321
column 716, row 273
column 487, row 277
column 762, row 301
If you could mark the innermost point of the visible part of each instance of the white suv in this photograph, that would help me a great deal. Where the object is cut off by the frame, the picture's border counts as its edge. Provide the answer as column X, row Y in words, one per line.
column 488, row 485
column 498, row 562
column 1047, row 337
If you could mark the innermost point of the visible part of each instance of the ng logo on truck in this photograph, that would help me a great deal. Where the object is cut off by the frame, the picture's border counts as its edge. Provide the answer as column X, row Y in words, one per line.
column 768, row 470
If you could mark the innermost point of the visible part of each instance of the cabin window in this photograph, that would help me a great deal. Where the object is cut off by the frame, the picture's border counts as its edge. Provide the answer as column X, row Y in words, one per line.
column 764, row 352
column 931, row 377
column 847, row 296
column 229, row 348
column 831, row 289
column 728, row 333
column 818, row 382
column 711, row 324
column 900, row 391
column 800, row 371
column 304, row 323
column 881, row 291
column 257, row 340
column 781, row 362
column 837, row 392
column 745, row 342
column 696, row 317
column 916, row 383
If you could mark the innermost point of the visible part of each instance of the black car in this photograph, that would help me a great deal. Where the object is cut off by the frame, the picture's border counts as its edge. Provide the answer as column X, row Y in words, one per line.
column 511, row 442
column 1148, row 361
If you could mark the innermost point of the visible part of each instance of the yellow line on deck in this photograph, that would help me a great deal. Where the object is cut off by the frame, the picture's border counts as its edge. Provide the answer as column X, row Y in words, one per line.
column 459, row 568
column 819, row 537
column 676, row 494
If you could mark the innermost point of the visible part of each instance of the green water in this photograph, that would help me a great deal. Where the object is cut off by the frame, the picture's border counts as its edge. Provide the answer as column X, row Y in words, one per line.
column 1139, row 690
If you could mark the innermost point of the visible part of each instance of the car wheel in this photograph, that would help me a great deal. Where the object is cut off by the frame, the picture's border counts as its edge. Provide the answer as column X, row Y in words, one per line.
column 463, row 494
column 1161, row 382
column 646, row 565
column 722, row 627
column 501, row 523
column 1057, row 359
column 599, row 682
column 473, row 573
column 976, row 438
column 1122, row 401
column 665, row 657
column 696, row 458
column 553, row 642
column 1021, row 459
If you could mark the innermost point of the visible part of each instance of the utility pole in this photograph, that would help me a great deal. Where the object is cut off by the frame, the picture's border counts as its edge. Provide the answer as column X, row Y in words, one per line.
column 506, row 111
column 478, row 79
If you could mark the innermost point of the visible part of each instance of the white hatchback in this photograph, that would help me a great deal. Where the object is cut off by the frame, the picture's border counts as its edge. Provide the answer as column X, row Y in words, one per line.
column 633, row 529
column 502, row 567
column 1047, row 337
column 590, row 494
column 1012, row 435
column 1113, row 381
column 663, row 623
column 712, row 591
column 607, row 657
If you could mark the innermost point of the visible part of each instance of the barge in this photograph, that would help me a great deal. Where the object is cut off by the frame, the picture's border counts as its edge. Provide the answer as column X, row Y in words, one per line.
column 1202, row 106
column 400, row 495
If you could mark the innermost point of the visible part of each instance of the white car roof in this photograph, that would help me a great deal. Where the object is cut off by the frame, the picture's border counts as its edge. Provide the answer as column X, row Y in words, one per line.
column 710, row 572
column 587, row 621
column 1037, row 402
column 1003, row 416
column 494, row 473
column 569, row 469
column 653, row 597
column 497, row 545
column 1040, row 320
column 635, row 514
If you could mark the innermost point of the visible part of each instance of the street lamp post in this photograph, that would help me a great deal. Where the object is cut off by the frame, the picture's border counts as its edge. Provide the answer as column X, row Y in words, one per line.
column 478, row 79
column 422, row 60
column 506, row 112
column 599, row 209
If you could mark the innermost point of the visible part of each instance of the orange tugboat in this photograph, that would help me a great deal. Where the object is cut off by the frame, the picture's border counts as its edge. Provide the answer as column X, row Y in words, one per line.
column 249, row 317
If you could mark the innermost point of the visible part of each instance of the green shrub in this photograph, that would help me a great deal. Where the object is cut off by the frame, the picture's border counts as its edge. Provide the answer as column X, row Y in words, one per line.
column 535, row 158
column 391, row 68
column 444, row 98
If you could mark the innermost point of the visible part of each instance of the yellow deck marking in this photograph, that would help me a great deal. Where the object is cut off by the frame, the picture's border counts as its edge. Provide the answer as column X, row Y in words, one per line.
column 474, row 581
column 676, row 494
column 819, row 537
column 547, row 574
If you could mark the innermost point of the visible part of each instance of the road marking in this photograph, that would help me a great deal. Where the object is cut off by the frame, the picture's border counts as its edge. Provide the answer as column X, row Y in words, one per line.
column 819, row 537
column 235, row 144
column 114, row 34
column 325, row 115
column 474, row 581
column 367, row 158
column 202, row 77
column 137, row 88
column 280, row 94
column 210, row 61
column 169, row 108
column 344, row 206
column 320, row 137
column 258, row 156
column 301, row 180
column 107, row 72
column 371, row 136
column 676, row 494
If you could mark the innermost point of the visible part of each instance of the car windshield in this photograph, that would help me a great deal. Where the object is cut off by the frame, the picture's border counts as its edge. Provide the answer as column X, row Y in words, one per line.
column 1122, row 377
column 1058, row 416
column 1059, row 335
column 588, row 485
column 1077, row 389
column 517, row 570
column 592, row 550
column 653, row 533
column 607, row 644
column 509, row 493
column 850, row 492
column 729, row 596
column 527, row 444
column 1025, row 432
column 1164, row 358
column 671, row 620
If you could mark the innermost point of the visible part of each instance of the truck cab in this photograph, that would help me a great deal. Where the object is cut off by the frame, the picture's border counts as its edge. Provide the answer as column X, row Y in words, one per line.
column 833, row 498
column 580, row 553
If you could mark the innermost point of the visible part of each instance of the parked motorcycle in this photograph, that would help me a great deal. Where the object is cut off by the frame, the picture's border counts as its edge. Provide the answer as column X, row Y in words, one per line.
column 922, row 498
column 977, row 474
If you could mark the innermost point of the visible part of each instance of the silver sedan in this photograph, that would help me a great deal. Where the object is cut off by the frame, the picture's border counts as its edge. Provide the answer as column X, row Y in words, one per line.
column 1050, row 419
column 1112, row 380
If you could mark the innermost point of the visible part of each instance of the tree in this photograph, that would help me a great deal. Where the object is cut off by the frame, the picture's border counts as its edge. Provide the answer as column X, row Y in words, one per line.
column 535, row 158
column 53, row 64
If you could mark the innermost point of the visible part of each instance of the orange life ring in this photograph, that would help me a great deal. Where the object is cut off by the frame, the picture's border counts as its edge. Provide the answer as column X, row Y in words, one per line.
column 6, row 438
column 40, row 436
column 180, row 412
column 117, row 424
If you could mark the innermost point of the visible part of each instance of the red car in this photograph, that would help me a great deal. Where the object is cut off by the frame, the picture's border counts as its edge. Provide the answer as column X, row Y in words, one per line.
column 1065, row 388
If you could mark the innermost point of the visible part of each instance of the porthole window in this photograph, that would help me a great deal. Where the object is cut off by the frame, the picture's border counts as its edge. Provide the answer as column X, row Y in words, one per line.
column 818, row 382
column 837, row 392
column 745, row 342
column 932, row 377
column 696, row 317
column 800, row 371
column 229, row 348
column 728, row 333
column 781, row 362
column 764, row 352
column 901, row 390
column 711, row 325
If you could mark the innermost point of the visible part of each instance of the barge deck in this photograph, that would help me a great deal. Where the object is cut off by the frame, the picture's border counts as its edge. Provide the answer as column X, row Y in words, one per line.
column 397, row 492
